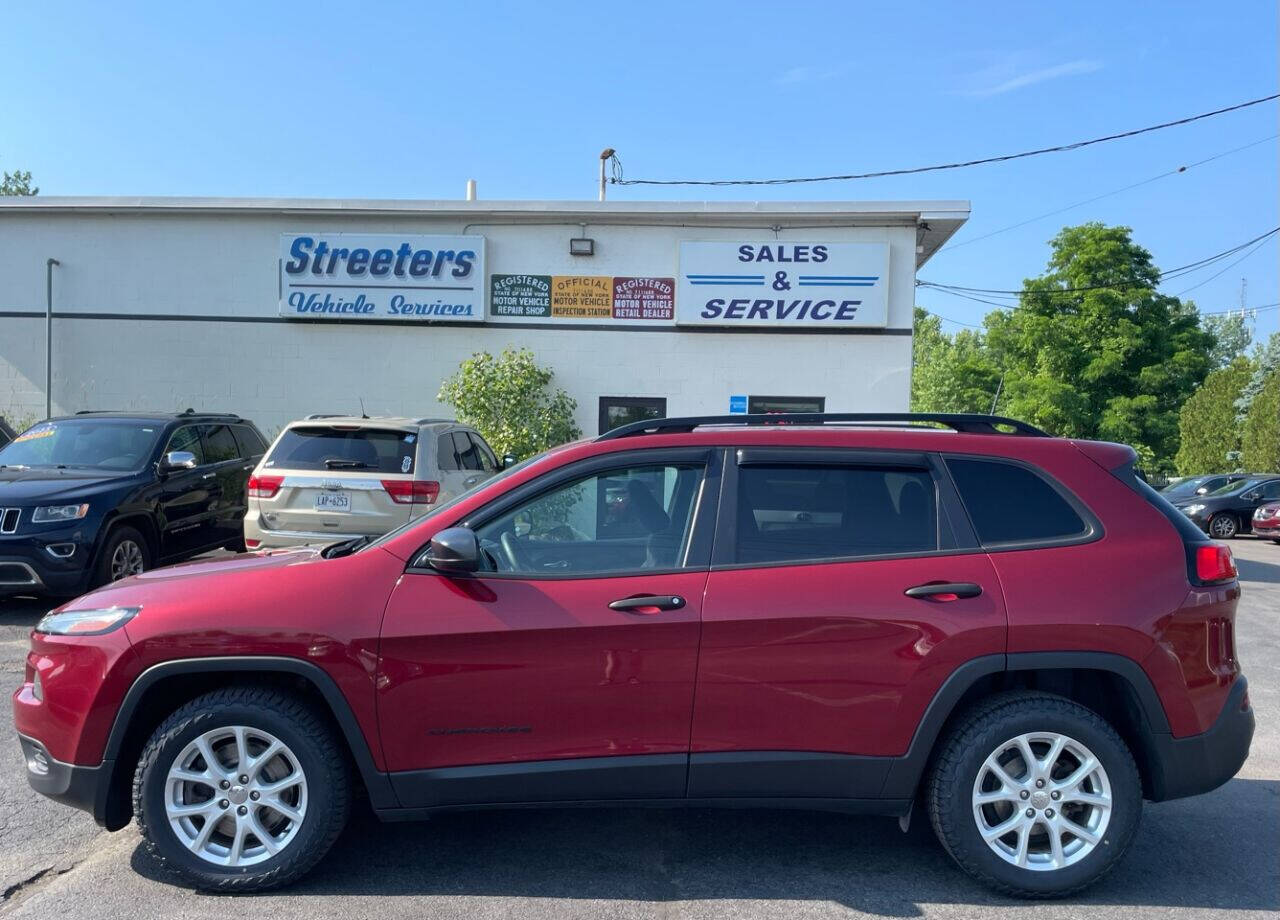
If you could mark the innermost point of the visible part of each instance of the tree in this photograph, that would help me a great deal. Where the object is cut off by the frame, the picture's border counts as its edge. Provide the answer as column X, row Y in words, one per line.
column 1093, row 350
column 17, row 183
column 508, row 401
column 1232, row 338
column 1207, row 422
column 1266, row 361
column 1260, row 437
column 950, row 373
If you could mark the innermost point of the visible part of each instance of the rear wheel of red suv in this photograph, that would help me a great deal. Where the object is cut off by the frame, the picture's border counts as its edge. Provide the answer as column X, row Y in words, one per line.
column 1034, row 795
column 242, row 789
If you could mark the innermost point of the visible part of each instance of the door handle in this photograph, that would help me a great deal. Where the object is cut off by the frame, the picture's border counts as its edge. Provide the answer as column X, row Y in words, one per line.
column 648, row 604
column 944, row 590
column 208, row 475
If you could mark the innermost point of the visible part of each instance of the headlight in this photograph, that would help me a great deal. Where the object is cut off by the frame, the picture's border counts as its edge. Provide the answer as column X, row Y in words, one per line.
column 85, row 622
column 49, row 514
column 1193, row 509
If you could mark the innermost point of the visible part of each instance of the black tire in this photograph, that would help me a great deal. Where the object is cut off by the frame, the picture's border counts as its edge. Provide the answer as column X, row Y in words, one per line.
column 979, row 732
column 318, row 752
column 117, row 537
column 1227, row 523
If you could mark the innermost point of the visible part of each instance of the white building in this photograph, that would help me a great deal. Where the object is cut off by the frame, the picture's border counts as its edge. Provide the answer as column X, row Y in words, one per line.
column 278, row 308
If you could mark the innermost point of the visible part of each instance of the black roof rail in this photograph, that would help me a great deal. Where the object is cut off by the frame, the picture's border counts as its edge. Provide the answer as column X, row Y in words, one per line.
column 436, row 421
column 958, row 421
column 315, row 415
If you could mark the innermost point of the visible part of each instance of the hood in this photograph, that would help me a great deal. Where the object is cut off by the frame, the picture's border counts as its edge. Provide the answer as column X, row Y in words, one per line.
column 38, row 484
column 136, row 589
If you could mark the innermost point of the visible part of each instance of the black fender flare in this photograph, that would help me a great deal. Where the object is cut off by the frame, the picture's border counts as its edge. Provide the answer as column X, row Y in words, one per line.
column 906, row 772
column 378, row 784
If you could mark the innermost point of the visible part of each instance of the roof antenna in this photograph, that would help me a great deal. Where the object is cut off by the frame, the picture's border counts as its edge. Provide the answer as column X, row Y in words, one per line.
column 363, row 414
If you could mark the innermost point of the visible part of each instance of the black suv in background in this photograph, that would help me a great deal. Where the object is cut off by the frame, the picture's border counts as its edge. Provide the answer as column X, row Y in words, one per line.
column 93, row 497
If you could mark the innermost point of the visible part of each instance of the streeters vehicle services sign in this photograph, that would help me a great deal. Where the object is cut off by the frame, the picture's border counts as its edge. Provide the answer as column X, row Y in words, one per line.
column 783, row 283
column 355, row 276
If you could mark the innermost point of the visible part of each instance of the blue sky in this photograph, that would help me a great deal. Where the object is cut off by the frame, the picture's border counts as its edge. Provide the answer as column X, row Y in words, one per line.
column 408, row 100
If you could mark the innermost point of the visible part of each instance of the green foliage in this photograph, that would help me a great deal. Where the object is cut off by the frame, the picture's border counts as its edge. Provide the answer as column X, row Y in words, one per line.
column 17, row 183
column 950, row 373
column 1231, row 338
column 1260, row 437
column 508, row 400
column 1207, row 422
column 1094, row 350
column 1266, row 361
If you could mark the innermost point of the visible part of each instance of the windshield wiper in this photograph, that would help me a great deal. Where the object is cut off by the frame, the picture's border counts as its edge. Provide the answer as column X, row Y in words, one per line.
column 345, row 548
column 346, row 464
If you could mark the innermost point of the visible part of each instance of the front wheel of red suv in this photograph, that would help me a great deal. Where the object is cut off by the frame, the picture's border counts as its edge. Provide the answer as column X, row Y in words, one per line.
column 1034, row 795
column 242, row 789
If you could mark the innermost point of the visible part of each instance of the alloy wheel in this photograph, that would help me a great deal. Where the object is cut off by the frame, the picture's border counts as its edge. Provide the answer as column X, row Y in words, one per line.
column 1042, row 801
column 126, row 560
column 236, row 796
column 1223, row 526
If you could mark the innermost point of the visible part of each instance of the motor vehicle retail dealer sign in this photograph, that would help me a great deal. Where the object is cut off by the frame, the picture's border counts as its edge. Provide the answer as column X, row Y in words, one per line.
column 783, row 283
column 406, row 277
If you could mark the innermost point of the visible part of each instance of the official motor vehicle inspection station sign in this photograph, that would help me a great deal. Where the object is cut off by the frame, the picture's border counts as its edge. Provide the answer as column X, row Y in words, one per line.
column 783, row 283
column 362, row 276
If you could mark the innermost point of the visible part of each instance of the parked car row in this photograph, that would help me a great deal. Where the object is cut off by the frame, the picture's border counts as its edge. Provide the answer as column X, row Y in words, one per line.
column 1228, row 504
column 91, row 498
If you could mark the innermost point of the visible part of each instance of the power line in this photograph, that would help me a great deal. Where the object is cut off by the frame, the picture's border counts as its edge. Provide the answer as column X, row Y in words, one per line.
column 1160, row 277
column 619, row 180
column 951, row 247
column 1226, row 268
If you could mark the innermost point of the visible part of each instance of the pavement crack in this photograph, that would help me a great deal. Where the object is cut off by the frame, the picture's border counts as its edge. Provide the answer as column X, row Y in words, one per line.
column 24, row 886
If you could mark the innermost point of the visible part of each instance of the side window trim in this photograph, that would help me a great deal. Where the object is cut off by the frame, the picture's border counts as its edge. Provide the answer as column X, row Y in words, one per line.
column 955, row 534
column 697, row 553
column 1093, row 532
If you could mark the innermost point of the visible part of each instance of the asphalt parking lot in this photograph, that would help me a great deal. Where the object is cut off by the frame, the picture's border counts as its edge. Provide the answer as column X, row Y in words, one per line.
column 1213, row 854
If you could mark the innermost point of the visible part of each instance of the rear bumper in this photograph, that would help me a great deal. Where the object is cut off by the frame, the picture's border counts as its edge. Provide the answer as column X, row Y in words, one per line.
column 80, row 787
column 1189, row 766
column 287, row 539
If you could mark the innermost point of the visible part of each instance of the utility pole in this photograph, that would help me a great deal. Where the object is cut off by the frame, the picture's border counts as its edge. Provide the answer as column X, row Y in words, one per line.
column 604, row 157
column 48, row 337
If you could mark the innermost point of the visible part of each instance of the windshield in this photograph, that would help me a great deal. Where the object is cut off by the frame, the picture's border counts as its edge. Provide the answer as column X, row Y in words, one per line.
column 104, row 444
column 1186, row 487
column 1240, row 485
column 524, row 464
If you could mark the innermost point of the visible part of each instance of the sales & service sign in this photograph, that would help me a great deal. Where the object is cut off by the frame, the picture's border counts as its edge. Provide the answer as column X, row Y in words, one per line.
column 783, row 283
column 400, row 277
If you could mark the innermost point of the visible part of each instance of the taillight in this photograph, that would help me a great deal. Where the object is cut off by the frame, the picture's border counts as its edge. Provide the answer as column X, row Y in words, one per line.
column 264, row 486
column 412, row 492
column 1214, row 563
column 251, row 544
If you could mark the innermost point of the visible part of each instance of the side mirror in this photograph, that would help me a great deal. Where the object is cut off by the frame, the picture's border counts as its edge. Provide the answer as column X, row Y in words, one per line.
column 508, row 460
column 453, row 550
column 178, row 460
column 1251, row 496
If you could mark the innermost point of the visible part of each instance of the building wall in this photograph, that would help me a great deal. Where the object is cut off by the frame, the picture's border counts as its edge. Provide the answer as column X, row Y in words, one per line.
column 130, row 280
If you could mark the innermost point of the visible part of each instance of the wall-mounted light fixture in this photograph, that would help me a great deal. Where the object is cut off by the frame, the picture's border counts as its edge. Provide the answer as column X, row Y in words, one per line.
column 582, row 246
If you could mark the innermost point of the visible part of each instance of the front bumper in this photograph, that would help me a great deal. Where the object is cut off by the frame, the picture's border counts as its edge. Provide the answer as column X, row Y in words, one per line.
column 1189, row 766
column 28, row 566
column 80, row 787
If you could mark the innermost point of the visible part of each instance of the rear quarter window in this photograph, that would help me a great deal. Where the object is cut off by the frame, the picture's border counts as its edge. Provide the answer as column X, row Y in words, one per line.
column 1010, row 504
column 320, row 448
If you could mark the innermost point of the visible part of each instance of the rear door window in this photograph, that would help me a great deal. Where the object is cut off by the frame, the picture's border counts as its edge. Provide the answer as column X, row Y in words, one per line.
column 447, row 453
column 320, row 448
column 219, row 444
column 798, row 512
column 1010, row 504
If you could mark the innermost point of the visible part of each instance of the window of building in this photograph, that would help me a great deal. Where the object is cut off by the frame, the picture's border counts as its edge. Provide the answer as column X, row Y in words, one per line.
column 771, row 405
column 797, row 512
column 1008, row 503
column 616, row 411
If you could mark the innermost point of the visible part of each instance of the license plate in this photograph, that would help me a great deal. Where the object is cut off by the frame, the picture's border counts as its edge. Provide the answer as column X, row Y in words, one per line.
column 333, row 501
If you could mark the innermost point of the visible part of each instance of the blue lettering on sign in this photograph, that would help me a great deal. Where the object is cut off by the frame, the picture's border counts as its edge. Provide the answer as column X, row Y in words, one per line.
column 737, row 405
column 765, row 310
column 309, row 256
column 781, row 253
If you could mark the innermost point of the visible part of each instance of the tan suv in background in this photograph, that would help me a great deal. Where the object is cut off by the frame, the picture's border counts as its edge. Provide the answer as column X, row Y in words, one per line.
column 328, row 478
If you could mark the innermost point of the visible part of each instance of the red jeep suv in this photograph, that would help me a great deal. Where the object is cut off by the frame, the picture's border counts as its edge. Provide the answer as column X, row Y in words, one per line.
column 1009, row 631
